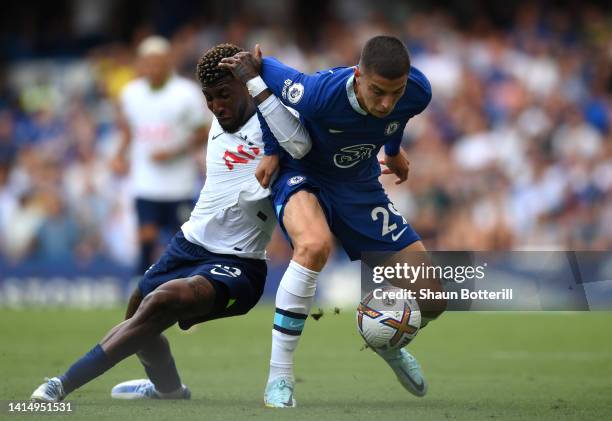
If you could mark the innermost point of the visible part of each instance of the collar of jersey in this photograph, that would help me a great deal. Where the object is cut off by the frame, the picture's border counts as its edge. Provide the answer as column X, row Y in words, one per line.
column 352, row 97
column 244, row 128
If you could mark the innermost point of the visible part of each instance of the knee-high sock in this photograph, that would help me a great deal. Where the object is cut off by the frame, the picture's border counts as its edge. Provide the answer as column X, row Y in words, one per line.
column 159, row 365
column 87, row 368
column 293, row 301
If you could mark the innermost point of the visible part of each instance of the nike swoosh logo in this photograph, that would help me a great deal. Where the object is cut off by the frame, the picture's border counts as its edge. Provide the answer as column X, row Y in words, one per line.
column 399, row 234
column 334, row 131
column 293, row 324
column 214, row 271
column 217, row 135
column 417, row 386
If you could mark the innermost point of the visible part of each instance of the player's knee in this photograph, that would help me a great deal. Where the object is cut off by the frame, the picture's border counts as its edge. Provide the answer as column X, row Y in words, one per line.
column 159, row 301
column 314, row 248
column 133, row 303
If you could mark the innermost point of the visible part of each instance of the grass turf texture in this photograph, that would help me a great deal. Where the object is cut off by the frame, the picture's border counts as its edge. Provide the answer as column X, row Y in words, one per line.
column 479, row 365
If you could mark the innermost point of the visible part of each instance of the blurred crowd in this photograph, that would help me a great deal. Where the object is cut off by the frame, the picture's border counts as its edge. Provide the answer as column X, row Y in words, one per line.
column 514, row 151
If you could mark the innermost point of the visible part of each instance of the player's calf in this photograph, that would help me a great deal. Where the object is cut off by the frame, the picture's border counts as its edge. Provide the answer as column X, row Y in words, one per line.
column 416, row 255
column 158, row 362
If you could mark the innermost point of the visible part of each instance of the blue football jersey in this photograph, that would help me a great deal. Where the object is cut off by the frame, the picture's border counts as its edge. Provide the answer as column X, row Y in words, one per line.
column 345, row 138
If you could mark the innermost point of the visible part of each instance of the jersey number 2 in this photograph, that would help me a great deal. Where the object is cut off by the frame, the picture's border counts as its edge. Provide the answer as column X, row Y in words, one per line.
column 386, row 228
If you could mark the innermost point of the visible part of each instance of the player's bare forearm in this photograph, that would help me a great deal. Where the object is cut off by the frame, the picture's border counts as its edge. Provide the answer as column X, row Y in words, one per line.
column 398, row 165
column 119, row 162
column 125, row 138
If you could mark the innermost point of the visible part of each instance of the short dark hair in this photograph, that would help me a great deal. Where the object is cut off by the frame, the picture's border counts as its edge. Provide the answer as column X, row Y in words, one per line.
column 386, row 56
column 207, row 70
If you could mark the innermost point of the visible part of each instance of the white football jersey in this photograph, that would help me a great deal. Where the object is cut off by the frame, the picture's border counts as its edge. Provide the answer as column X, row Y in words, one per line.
column 234, row 214
column 161, row 119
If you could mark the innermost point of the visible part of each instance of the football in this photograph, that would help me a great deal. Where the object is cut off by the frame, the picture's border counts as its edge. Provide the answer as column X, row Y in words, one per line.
column 386, row 320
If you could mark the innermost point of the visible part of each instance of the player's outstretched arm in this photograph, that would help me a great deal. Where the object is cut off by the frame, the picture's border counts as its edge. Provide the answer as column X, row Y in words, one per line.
column 397, row 164
column 286, row 127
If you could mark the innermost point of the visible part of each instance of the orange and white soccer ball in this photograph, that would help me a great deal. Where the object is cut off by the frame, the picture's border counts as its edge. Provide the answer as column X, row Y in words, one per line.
column 387, row 320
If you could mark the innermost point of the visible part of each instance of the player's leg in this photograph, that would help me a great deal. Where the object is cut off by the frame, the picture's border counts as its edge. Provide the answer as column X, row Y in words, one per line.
column 147, row 213
column 306, row 225
column 157, row 361
column 379, row 227
column 404, row 364
column 416, row 255
column 172, row 301
column 178, row 299
column 147, row 238
column 156, row 356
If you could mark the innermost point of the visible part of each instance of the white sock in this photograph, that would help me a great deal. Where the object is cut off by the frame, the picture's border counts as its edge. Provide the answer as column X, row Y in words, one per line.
column 293, row 301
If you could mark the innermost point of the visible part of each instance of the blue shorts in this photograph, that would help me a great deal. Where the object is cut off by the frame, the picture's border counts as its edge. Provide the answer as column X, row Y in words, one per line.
column 243, row 278
column 169, row 215
column 360, row 215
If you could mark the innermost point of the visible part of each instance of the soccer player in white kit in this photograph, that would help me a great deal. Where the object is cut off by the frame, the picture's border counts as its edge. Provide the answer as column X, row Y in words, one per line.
column 162, row 122
column 215, row 265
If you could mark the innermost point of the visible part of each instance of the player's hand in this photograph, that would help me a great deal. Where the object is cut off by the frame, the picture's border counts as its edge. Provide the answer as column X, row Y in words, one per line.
column 244, row 65
column 266, row 169
column 119, row 165
column 398, row 165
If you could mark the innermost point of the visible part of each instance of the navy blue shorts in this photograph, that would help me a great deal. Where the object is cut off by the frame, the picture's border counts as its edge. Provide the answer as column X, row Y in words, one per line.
column 169, row 215
column 243, row 278
column 360, row 215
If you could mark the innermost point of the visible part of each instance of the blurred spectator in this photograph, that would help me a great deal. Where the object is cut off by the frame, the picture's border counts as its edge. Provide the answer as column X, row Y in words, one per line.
column 162, row 124
column 58, row 233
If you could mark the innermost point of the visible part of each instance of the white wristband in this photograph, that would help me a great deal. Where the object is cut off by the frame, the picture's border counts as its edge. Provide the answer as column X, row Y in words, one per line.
column 256, row 86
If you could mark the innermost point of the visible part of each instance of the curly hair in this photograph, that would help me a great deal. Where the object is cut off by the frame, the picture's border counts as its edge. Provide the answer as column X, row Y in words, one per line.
column 207, row 70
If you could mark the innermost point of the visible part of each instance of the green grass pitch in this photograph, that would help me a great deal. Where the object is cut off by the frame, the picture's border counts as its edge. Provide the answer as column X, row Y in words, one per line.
column 495, row 366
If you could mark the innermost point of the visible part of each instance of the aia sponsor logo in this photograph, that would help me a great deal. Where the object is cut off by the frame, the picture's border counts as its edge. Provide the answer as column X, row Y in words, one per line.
column 242, row 155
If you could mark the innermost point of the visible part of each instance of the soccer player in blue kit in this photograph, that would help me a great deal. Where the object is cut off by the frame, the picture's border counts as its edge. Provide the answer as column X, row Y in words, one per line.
column 350, row 113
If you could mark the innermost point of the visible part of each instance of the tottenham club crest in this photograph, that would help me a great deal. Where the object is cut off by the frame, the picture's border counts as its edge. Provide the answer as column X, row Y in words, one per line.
column 352, row 155
column 391, row 128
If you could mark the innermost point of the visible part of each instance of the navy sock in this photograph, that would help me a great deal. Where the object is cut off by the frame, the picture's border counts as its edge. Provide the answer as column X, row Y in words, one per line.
column 90, row 366
column 165, row 377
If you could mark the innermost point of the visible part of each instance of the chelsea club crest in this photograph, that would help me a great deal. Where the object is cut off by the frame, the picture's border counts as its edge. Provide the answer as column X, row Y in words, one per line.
column 297, row 179
column 295, row 93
